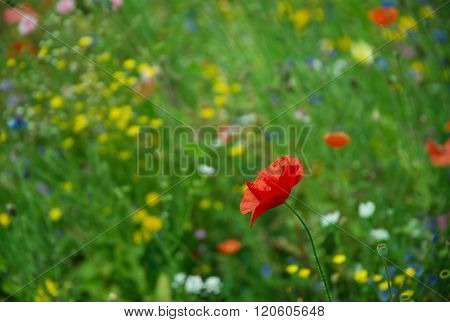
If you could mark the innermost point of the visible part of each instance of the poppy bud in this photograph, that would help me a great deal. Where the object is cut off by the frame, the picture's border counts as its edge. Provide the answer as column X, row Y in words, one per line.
column 382, row 250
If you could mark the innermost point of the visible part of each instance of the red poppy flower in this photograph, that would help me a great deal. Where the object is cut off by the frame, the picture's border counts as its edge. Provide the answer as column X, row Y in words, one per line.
column 229, row 246
column 439, row 155
column 272, row 186
column 384, row 16
column 337, row 139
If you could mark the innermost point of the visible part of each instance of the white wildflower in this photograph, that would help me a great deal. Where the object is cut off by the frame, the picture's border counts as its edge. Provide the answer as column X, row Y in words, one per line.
column 379, row 234
column 213, row 285
column 366, row 209
column 194, row 284
column 178, row 280
column 330, row 218
column 206, row 169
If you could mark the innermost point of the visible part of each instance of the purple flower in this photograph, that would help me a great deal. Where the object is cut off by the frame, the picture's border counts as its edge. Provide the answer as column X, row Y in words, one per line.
column 42, row 188
column 442, row 222
column 6, row 85
column 200, row 234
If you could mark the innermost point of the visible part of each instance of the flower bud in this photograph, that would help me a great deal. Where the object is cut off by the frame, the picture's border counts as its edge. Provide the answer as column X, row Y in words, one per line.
column 382, row 250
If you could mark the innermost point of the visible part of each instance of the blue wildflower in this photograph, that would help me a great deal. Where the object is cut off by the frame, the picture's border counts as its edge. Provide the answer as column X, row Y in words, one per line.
column 266, row 270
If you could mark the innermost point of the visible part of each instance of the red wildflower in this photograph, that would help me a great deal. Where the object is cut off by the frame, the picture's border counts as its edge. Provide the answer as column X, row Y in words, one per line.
column 229, row 246
column 439, row 155
column 21, row 47
column 14, row 15
column 384, row 16
column 337, row 139
column 272, row 186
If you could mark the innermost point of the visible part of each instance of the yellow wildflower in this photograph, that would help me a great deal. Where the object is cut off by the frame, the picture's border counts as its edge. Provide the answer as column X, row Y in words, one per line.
column 143, row 119
column 140, row 215
column 153, row 198
column 156, row 123
column 102, row 137
column 292, row 268
column 377, row 278
column 235, row 88
column 284, row 9
column 210, row 70
column 362, row 52
column 43, row 51
column 133, row 131
column 3, row 136
column 383, row 286
column 11, row 62
column 221, row 87
column 41, row 296
column 410, row 272
column 55, row 214
column 152, row 224
column 56, row 101
column 120, row 76
column 339, row 259
column 344, row 43
column 304, row 273
column 205, row 203
column 68, row 143
column 79, row 123
column 67, row 186
column 220, row 100
column 131, row 80
column 399, row 279
column 124, row 155
column 406, row 295
column 60, row 64
column 207, row 113
column 236, row 150
column 5, row 220
column 85, row 41
column 407, row 23
column 137, row 237
column 129, row 64
column 301, row 18
column 52, row 287
column 103, row 57
column 218, row 205
column 318, row 14
column 426, row 12
column 361, row 276
column 146, row 70
column 418, row 67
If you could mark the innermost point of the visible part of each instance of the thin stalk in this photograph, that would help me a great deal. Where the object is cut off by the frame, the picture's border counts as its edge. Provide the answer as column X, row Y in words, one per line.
column 314, row 251
column 388, row 279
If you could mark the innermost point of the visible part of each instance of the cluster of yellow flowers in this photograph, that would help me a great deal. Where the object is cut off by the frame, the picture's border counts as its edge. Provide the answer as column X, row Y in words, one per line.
column 300, row 272
column 148, row 225
column 207, row 203
column 400, row 30
column 222, row 90
column 300, row 18
column 46, row 292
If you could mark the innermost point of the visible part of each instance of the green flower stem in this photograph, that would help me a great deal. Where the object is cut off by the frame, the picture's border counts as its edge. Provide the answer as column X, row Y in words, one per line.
column 388, row 279
column 314, row 250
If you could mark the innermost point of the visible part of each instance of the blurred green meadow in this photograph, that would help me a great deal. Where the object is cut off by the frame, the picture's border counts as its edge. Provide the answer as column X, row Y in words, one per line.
column 80, row 80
